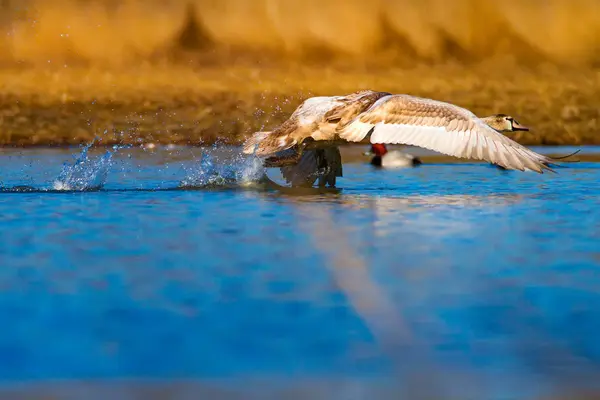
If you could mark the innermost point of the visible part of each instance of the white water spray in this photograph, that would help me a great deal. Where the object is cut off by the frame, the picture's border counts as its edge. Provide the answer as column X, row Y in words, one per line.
column 86, row 173
column 214, row 170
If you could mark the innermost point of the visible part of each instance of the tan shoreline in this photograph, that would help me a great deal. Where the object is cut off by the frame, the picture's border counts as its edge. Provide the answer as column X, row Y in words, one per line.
column 200, row 105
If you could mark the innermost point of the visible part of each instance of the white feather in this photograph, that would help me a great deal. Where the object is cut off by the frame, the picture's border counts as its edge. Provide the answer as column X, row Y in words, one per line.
column 480, row 143
column 434, row 125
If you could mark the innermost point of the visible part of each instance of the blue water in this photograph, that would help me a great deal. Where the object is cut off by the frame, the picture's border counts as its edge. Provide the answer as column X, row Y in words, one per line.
column 447, row 280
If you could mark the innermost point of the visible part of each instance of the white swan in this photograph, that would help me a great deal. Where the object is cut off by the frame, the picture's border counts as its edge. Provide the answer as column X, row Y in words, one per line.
column 322, row 122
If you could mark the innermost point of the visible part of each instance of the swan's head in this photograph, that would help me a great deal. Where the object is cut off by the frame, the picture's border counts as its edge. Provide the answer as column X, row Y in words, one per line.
column 504, row 123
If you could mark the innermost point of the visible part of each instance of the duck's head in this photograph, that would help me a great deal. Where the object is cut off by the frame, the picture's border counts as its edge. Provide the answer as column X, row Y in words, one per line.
column 504, row 123
column 377, row 149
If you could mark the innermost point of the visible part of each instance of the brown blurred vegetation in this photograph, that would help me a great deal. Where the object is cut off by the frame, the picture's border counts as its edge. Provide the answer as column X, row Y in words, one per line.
column 191, row 70
column 121, row 31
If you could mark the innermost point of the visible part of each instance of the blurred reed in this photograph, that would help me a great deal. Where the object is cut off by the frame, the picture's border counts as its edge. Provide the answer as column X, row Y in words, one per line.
column 118, row 32
column 185, row 71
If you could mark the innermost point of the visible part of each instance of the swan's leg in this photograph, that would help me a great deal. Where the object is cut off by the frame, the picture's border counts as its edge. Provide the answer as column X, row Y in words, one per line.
column 322, row 167
column 329, row 166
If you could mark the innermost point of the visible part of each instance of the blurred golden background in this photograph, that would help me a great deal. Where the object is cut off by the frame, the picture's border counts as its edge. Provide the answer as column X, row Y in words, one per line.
column 234, row 61
column 118, row 32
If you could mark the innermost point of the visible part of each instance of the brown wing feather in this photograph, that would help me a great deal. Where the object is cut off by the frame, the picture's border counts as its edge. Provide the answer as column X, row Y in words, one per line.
column 401, row 109
column 279, row 139
column 441, row 127
column 352, row 105
column 302, row 124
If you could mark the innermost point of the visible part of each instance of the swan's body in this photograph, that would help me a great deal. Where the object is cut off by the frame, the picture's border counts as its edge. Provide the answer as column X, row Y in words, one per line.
column 322, row 122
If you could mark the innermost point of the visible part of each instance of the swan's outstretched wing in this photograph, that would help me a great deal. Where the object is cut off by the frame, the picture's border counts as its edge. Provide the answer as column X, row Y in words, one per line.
column 323, row 164
column 316, row 118
column 303, row 123
column 440, row 127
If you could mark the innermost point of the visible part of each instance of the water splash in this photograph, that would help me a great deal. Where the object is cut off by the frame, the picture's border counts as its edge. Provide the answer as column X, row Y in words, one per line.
column 219, row 169
column 85, row 173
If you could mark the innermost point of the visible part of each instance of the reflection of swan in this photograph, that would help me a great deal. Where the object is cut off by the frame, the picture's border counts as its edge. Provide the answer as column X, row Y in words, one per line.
column 268, row 184
column 395, row 204
column 409, row 210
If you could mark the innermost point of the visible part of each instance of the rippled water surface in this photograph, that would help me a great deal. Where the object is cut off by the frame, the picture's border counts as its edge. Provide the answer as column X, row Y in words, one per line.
column 128, row 268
